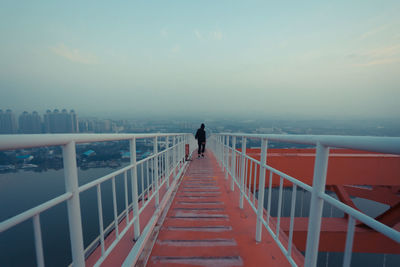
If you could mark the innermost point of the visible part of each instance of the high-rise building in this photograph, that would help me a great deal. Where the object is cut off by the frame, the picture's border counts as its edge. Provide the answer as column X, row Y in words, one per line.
column 8, row 124
column 30, row 123
column 61, row 122
column 83, row 126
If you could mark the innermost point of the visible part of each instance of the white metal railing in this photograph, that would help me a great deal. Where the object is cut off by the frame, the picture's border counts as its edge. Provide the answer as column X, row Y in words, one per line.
column 155, row 172
column 237, row 164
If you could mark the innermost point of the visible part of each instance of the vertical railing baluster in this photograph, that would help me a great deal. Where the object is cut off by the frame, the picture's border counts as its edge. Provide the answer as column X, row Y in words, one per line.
column 292, row 211
column 100, row 213
column 73, row 204
column 250, row 178
column 246, row 162
column 316, row 205
column 242, row 168
column 261, row 189
column 148, row 178
column 167, row 160
column 134, row 181
column 126, row 197
column 155, row 151
column 279, row 207
column 115, row 207
column 349, row 242
column 233, row 170
column 227, row 157
column 222, row 160
column 38, row 241
column 271, row 176
column 174, row 156
column 142, row 180
column 255, row 183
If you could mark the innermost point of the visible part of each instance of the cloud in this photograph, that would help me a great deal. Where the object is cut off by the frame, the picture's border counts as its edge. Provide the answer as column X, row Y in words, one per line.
column 164, row 33
column 216, row 35
column 74, row 55
column 198, row 35
column 379, row 62
column 176, row 49
column 378, row 56
column 374, row 31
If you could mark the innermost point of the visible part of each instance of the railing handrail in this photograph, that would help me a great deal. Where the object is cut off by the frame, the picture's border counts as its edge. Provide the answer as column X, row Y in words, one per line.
column 224, row 150
column 381, row 144
column 18, row 141
column 170, row 159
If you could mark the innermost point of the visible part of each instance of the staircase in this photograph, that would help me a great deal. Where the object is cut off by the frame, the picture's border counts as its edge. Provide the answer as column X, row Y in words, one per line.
column 205, row 227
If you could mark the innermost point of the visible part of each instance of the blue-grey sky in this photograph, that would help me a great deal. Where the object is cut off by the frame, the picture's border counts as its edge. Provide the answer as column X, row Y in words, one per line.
column 305, row 58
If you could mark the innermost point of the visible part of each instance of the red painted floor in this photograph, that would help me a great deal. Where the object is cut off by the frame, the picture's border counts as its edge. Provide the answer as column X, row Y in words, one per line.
column 205, row 226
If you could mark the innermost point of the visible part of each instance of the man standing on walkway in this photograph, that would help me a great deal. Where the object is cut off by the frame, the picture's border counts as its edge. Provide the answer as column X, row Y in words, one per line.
column 201, row 140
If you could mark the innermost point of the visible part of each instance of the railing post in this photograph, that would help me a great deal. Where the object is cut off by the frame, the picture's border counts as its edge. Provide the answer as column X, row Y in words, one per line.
column 167, row 160
column 261, row 189
column 155, row 151
column 227, row 157
column 135, row 207
column 38, row 241
column 219, row 150
column 73, row 204
column 316, row 205
column 242, row 176
column 233, row 169
column 174, row 156
column 223, row 152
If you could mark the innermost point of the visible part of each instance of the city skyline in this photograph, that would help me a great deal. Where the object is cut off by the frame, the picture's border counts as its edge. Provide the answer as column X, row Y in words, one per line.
column 216, row 59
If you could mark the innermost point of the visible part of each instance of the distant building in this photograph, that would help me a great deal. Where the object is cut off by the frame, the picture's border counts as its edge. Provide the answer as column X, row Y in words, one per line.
column 89, row 153
column 83, row 126
column 30, row 123
column 8, row 123
column 61, row 122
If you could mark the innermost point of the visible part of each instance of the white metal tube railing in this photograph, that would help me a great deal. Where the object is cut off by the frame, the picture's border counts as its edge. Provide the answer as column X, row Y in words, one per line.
column 316, row 205
column 135, row 209
column 260, row 208
column 68, row 141
column 38, row 241
column 73, row 204
column 374, row 144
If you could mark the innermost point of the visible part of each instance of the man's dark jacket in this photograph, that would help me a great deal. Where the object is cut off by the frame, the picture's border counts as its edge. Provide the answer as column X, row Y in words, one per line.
column 200, row 135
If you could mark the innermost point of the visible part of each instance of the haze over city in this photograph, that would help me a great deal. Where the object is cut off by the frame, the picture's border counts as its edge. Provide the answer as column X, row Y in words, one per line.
column 217, row 58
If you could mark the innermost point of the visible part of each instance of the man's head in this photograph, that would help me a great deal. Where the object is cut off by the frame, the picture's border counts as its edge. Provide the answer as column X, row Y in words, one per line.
column 202, row 126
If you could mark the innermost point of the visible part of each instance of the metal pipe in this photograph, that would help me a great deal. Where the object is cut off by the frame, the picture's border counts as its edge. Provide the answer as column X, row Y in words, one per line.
column 271, row 176
column 242, row 172
column 126, row 197
column 349, row 242
column 155, row 151
column 135, row 208
column 292, row 210
column 227, row 157
column 38, row 241
column 167, row 160
column 390, row 145
column 17, row 141
column 316, row 205
column 233, row 170
column 100, row 212
column 73, row 204
column 174, row 156
column 261, row 189
column 5, row 225
column 114, row 197
column 279, row 207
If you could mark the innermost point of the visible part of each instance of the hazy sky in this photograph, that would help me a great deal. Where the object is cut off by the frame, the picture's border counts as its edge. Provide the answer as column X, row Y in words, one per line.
column 159, row 57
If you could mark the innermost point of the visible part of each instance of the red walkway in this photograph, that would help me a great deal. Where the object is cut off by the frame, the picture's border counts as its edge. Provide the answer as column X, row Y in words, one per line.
column 205, row 226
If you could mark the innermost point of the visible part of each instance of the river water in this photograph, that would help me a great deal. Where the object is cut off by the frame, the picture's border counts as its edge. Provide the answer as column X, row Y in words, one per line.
column 22, row 190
